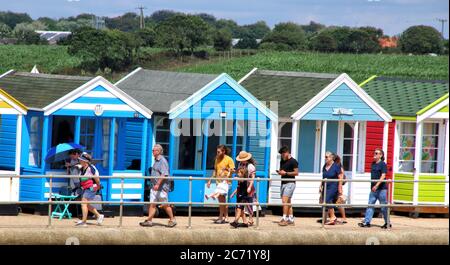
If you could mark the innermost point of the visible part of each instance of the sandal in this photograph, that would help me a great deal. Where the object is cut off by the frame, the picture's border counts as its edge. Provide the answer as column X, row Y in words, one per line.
column 250, row 223
column 331, row 222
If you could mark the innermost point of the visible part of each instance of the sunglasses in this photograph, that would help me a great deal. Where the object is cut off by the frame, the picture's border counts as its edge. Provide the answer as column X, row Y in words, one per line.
column 377, row 153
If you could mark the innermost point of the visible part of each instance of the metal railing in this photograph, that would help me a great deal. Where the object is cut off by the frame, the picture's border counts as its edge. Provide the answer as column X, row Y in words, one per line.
column 190, row 203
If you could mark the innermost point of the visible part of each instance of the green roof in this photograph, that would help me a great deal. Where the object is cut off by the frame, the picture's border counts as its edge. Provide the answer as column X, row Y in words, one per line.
column 402, row 97
column 291, row 90
column 39, row 90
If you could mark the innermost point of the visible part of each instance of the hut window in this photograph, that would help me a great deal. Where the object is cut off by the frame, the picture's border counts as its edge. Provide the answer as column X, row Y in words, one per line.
column 407, row 136
column 430, row 148
column 35, row 147
column 87, row 134
column 285, row 134
column 189, row 145
column 162, row 133
column 106, row 125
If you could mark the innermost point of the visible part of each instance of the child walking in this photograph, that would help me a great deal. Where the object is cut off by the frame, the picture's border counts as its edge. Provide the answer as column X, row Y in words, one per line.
column 243, row 196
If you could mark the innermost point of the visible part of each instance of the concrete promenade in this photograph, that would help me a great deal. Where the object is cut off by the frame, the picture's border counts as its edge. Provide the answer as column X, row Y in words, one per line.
column 32, row 229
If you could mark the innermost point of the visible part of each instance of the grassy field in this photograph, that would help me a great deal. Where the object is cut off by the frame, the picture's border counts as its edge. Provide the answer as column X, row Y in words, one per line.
column 49, row 59
column 55, row 59
column 359, row 67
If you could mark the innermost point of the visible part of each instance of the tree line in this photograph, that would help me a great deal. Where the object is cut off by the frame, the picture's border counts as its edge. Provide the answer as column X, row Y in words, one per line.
column 117, row 45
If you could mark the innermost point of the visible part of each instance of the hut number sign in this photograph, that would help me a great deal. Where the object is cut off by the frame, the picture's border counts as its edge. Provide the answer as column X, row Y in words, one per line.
column 98, row 110
column 342, row 111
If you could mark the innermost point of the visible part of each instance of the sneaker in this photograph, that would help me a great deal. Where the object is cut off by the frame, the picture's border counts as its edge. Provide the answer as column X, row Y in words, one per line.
column 362, row 224
column 100, row 219
column 290, row 222
column 81, row 224
column 385, row 226
column 234, row 224
column 146, row 223
column 243, row 225
column 283, row 223
column 172, row 223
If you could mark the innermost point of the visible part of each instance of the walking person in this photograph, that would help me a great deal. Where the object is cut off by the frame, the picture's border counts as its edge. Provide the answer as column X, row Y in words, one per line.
column 378, row 189
column 246, row 161
column 222, row 162
column 341, row 197
column 160, row 188
column 73, row 169
column 90, row 184
column 243, row 196
column 288, row 170
column 331, row 170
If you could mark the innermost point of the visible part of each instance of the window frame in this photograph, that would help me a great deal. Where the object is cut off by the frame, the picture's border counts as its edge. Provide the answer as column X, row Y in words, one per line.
column 39, row 132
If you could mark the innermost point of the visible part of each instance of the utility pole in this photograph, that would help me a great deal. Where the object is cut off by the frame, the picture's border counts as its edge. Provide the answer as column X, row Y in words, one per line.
column 142, row 22
column 443, row 21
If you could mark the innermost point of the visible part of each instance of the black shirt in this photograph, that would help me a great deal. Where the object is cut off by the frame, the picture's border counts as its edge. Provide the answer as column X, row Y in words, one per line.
column 376, row 171
column 288, row 166
column 242, row 188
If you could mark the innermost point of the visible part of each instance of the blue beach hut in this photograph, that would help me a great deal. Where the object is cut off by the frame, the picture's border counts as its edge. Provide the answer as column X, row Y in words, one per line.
column 197, row 112
column 92, row 112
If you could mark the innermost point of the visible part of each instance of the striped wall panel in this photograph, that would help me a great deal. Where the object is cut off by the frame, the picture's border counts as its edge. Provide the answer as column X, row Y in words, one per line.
column 342, row 97
column 8, row 128
column 86, row 104
column 133, row 141
column 374, row 139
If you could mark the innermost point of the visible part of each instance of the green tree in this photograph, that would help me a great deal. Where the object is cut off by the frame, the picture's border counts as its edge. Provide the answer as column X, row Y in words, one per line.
column 323, row 42
column 12, row 19
column 289, row 34
column 5, row 31
column 247, row 43
column 25, row 33
column 163, row 15
column 147, row 36
column 359, row 41
column 312, row 27
column 128, row 22
column 222, row 40
column 48, row 22
column 101, row 49
column 257, row 30
column 421, row 40
column 183, row 32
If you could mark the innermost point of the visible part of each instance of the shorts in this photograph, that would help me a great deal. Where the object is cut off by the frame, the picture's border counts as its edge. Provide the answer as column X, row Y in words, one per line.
column 287, row 190
column 222, row 188
column 243, row 199
column 88, row 194
column 158, row 196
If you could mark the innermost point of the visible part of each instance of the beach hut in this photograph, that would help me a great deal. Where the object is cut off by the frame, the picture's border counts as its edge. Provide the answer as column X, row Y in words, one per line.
column 196, row 112
column 420, row 118
column 320, row 112
column 111, row 125
column 11, row 115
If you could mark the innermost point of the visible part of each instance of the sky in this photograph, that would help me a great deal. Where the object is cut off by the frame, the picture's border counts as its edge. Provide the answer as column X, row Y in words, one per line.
column 393, row 16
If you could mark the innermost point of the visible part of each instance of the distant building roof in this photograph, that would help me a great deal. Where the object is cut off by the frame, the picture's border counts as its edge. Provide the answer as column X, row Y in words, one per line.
column 401, row 97
column 388, row 42
column 290, row 89
column 53, row 36
column 39, row 90
column 158, row 90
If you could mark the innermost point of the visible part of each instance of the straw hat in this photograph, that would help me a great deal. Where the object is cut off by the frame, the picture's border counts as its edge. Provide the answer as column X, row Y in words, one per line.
column 243, row 156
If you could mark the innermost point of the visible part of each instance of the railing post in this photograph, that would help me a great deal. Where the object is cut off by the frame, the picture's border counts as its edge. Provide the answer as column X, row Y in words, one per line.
column 121, row 202
column 257, row 204
column 389, row 205
column 190, row 204
column 50, row 202
column 324, row 202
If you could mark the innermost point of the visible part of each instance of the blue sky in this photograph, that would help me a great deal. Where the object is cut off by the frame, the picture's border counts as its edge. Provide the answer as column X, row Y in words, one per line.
column 393, row 16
